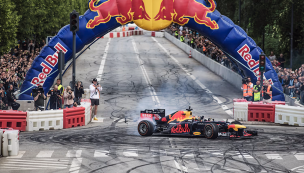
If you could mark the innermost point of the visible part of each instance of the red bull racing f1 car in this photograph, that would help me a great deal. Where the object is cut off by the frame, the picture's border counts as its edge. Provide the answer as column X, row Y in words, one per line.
column 183, row 123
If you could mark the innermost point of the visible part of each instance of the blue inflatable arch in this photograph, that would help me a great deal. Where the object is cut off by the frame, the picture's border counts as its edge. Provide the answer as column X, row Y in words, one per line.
column 110, row 14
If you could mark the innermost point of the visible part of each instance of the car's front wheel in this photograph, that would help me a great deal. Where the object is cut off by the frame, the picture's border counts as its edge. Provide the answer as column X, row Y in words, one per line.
column 145, row 128
column 211, row 131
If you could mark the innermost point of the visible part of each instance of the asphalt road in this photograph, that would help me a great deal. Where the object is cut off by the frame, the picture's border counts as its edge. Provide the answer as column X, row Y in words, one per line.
column 144, row 73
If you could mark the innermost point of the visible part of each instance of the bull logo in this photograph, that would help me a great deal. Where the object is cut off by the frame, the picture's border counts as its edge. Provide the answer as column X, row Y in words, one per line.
column 125, row 12
column 163, row 13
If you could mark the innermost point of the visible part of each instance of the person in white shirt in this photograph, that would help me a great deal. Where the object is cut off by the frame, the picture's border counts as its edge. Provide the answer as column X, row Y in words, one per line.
column 95, row 89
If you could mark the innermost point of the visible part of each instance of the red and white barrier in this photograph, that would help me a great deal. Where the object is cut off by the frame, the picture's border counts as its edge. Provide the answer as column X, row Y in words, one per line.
column 261, row 112
column 86, row 103
column 240, row 111
column 10, row 143
column 289, row 115
column 275, row 112
column 44, row 120
column 13, row 119
column 73, row 117
column 122, row 34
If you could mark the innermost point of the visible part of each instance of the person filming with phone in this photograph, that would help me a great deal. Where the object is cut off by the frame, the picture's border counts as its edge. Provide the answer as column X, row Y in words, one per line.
column 95, row 89
column 267, row 92
column 78, row 92
column 68, row 97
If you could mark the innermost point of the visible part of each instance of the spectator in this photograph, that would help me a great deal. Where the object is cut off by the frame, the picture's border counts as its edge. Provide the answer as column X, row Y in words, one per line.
column 281, row 60
column 257, row 91
column 3, row 101
column 60, row 87
column 302, row 93
column 247, row 89
column 11, row 99
column 95, row 89
column 78, row 92
column 55, row 98
column 267, row 93
column 285, row 85
column 291, row 86
column 182, row 37
column 68, row 97
column 272, row 57
column 39, row 98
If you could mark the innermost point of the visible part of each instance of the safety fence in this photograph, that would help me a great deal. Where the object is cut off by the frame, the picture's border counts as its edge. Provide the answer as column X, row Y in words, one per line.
column 274, row 112
column 12, row 122
column 9, row 142
column 122, row 34
column 47, row 120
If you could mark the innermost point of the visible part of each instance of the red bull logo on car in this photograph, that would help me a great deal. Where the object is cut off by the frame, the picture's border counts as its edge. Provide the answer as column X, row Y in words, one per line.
column 180, row 129
column 152, row 14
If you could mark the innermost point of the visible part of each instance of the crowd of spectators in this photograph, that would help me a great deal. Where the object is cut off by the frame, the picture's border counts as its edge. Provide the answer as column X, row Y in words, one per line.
column 203, row 45
column 14, row 66
column 292, row 81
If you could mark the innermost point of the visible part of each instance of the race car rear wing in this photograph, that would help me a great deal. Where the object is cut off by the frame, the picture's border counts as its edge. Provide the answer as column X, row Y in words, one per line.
column 150, row 113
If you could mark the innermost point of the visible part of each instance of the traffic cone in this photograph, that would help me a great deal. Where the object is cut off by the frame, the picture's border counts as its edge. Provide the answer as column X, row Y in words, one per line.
column 190, row 56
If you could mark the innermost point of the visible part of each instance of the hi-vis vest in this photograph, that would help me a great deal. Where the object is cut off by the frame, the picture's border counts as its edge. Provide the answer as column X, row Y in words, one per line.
column 204, row 48
column 176, row 33
column 182, row 39
column 268, row 89
column 192, row 40
column 61, row 89
column 247, row 91
column 257, row 96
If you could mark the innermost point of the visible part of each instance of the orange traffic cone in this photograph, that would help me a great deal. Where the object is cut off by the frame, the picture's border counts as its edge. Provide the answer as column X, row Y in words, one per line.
column 190, row 56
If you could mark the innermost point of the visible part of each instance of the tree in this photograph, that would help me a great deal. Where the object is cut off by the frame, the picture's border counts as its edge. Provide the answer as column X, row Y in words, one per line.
column 272, row 17
column 8, row 25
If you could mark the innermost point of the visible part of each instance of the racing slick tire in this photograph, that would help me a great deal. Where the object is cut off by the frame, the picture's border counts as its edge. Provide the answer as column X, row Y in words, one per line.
column 211, row 131
column 145, row 128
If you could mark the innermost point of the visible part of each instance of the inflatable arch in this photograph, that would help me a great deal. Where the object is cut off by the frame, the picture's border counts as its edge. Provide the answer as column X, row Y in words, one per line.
column 106, row 15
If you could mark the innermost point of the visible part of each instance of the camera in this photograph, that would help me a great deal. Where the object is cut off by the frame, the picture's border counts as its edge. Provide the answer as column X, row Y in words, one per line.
column 244, row 80
column 37, row 91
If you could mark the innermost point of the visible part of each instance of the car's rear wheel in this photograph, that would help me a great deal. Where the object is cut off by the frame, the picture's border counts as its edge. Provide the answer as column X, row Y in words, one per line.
column 211, row 131
column 145, row 128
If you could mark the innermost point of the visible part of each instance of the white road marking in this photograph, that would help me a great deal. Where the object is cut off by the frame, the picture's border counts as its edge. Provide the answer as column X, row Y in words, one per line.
column 177, row 165
column 299, row 156
column 224, row 107
column 20, row 154
column 45, row 154
column 74, row 153
column 21, row 164
column 183, row 168
column 298, row 169
column 148, row 81
column 274, row 156
column 130, row 153
column 103, row 61
column 101, row 153
column 75, row 166
column 243, row 155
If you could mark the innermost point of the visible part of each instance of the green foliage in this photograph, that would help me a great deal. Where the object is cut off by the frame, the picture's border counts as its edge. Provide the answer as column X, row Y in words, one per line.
column 273, row 17
column 34, row 19
column 8, row 25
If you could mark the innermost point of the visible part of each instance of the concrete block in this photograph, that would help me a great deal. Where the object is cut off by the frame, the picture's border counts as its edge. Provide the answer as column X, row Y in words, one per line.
column 26, row 105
